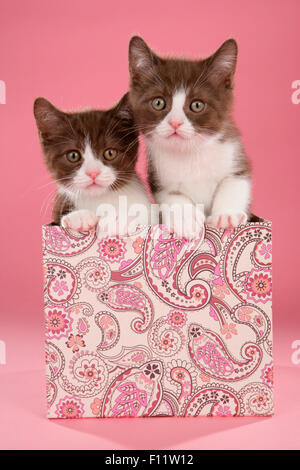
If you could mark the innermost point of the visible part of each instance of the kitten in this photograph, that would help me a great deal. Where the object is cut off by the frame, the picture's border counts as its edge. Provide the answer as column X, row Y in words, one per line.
column 195, row 153
column 92, row 156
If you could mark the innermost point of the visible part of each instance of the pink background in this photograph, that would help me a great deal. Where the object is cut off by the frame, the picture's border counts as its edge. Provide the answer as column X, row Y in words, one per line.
column 75, row 54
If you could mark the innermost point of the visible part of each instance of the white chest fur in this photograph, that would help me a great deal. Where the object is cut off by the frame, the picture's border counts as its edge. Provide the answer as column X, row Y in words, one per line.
column 195, row 173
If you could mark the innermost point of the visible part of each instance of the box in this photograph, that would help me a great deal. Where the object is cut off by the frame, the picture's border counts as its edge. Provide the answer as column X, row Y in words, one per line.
column 151, row 325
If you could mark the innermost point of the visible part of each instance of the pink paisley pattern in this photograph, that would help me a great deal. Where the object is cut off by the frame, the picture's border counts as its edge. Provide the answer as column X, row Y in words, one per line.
column 110, row 329
column 125, row 298
column 95, row 273
column 152, row 325
column 86, row 376
column 258, row 286
column 211, row 356
column 267, row 375
column 165, row 340
column 68, row 407
column 214, row 400
column 58, row 321
column 63, row 242
column 55, row 362
column 168, row 271
column 135, row 392
column 165, row 253
column 111, row 249
column 130, row 400
column 62, row 283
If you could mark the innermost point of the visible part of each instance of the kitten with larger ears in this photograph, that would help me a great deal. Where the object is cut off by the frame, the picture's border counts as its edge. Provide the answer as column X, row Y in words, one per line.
column 195, row 153
column 92, row 156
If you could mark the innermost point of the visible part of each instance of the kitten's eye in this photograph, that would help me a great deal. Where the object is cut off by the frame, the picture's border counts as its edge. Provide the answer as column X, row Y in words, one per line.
column 158, row 104
column 73, row 156
column 110, row 154
column 197, row 106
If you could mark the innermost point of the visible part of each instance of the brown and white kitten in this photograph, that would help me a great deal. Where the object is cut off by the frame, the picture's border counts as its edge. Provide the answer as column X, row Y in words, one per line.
column 195, row 153
column 92, row 156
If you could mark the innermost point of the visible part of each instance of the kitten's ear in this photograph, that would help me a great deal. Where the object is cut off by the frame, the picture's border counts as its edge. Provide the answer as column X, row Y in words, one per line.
column 222, row 63
column 47, row 117
column 141, row 59
column 123, row 109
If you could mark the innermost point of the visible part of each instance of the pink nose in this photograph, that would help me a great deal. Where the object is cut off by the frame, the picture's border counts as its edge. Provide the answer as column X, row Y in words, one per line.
column 93, row 174
column 175, row 124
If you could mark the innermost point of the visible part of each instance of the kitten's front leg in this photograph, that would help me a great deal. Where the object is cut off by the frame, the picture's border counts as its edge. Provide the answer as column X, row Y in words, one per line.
column 180, row 214
column 231, row 203
column 81, row 220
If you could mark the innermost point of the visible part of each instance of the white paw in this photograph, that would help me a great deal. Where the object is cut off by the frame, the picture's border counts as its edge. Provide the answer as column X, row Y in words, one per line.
column 81, row 221
column 188, row 226
column 228, row 220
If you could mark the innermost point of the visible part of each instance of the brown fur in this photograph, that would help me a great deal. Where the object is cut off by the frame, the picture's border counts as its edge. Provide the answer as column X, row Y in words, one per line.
column 61, row 132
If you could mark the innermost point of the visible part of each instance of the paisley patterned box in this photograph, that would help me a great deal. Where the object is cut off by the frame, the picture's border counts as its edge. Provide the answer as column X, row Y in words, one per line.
column 152, row 325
